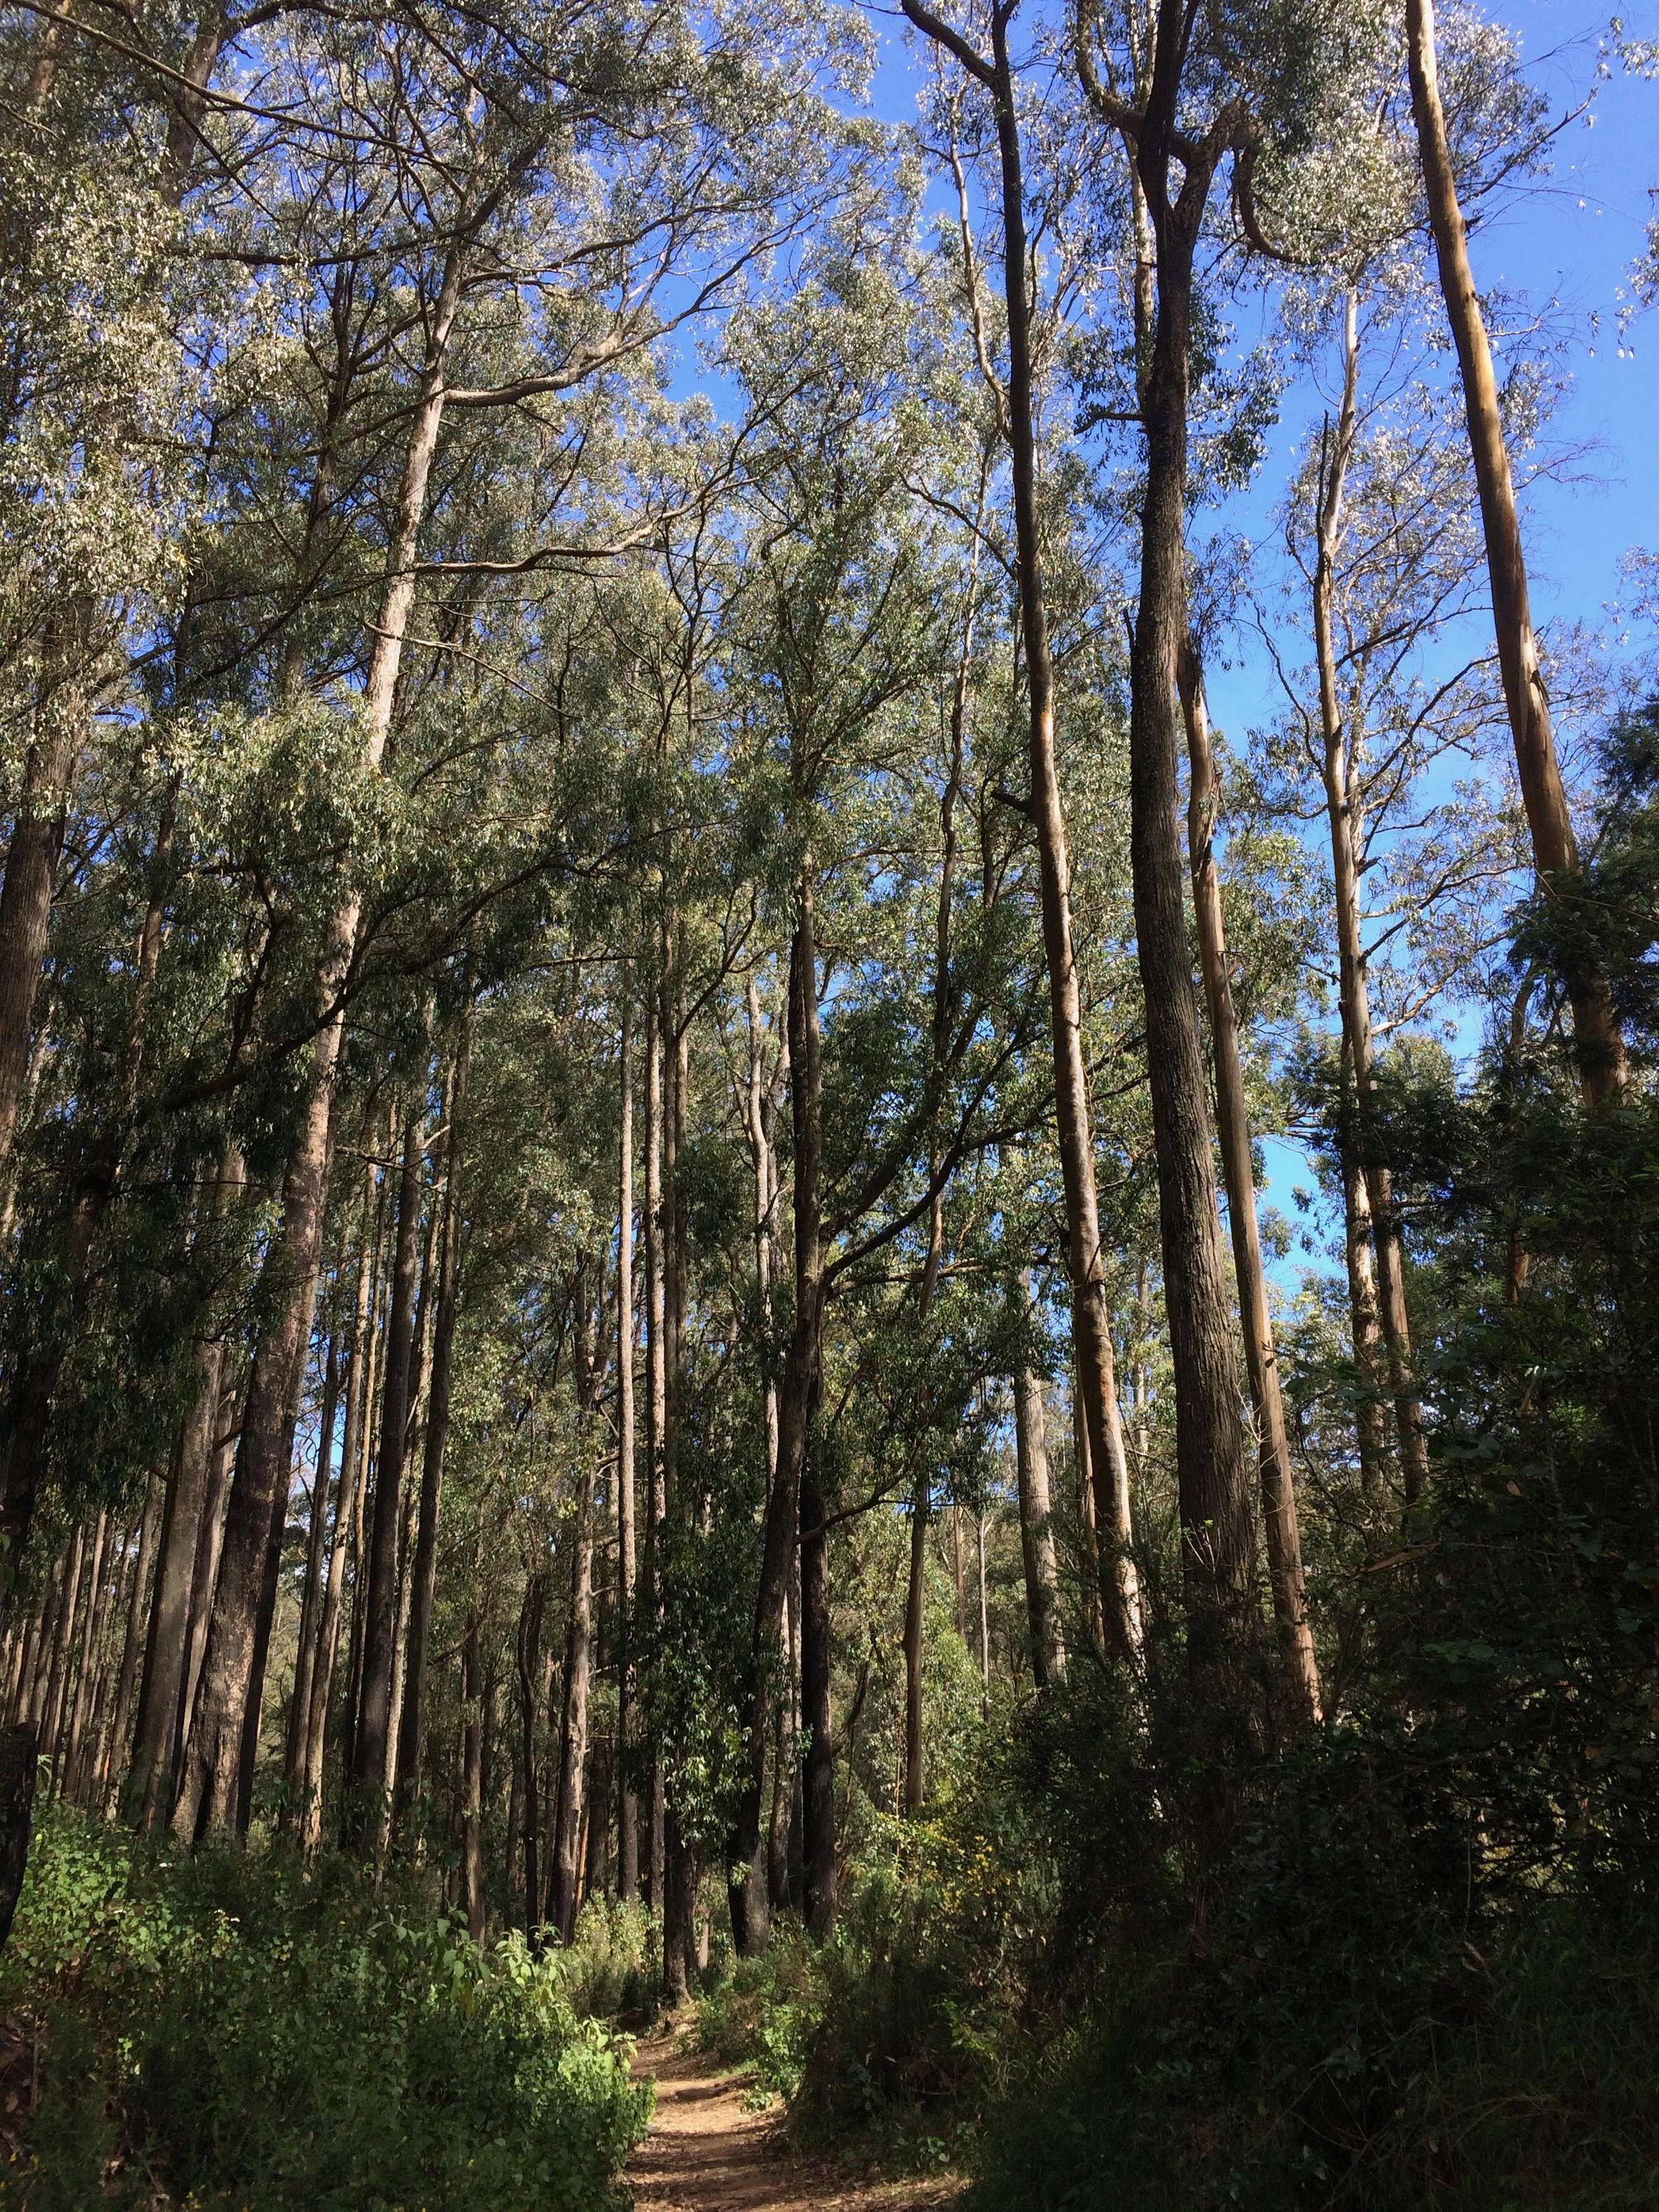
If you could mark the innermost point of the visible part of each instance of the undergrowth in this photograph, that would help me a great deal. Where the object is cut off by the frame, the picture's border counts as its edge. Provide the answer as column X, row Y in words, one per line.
column 241, row 2031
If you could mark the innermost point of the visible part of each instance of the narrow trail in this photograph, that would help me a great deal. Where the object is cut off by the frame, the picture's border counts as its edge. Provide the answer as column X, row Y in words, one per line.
column 705, row 2154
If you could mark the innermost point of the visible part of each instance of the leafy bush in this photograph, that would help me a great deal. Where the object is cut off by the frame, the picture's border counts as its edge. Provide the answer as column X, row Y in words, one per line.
column 237, row 2030
column 612, row 1965
column 1528, row 2088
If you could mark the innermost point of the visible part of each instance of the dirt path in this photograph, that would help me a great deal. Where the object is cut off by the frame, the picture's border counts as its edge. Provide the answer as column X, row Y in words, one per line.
column 705, row 2154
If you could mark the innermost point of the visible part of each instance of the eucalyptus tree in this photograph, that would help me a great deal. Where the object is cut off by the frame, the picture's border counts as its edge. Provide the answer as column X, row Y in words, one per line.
column 844, row 648
column 1549, row 816
column 1389, row 699
column 518, row 201
column 1030, row 331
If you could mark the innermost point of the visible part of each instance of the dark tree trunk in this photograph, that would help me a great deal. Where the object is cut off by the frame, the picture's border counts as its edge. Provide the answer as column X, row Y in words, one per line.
column 627, row 1804
column 797, row 1401
column 371, row 1748
column 424, row 1570
column 818, row 1771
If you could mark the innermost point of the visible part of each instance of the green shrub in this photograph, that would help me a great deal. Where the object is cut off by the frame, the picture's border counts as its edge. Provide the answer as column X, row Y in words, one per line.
column 240, row 2030
column 611, row 1966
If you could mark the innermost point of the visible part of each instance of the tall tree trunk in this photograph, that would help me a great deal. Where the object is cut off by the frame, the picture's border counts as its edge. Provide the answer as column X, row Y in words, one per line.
column 114, row 1762
column 472, row 1873
column 1092, row 1332
column 359, row 1386
column 204, row 1573
column 424, row 1570
column 1216, row 1508
column 1278, row 1513
column 63, row 1654
column 1601, row 1063
column 1037, row 1534
column 628, row 1803
column 656, row 1415
column 819, row 1883
column 305, row 1657
column 1345, row 809
column 914, row 1593
column 372, row 1746
column 1217, row 1523
column 91, row 1637
column 147, row 1790
column 572, row 1734
column 798, row 1399
column 535, row 1678
column 1369, row 1428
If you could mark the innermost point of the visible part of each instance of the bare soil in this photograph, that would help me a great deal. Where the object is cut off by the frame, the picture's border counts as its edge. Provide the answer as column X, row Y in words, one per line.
column 705, row 2153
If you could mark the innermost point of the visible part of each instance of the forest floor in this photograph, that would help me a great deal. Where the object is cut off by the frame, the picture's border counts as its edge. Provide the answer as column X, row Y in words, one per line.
column 707, row 2152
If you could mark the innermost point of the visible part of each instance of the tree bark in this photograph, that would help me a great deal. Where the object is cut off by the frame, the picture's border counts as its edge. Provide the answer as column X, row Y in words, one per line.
column 656, row 1415
column 1037, row 1534
column 797, row 1401
column 1218, row 1517
column 424, row 1570
column 113, row 1765
column 535, row 1680
column 1344, row 805
column 296, row 1750
column 628, row 1803
column 1601, row 1050
column 915, row 1590
column 92, row 1626
column 572, row 1734
column 472, row 1873
column 1290, row 1594
column 367, row 1812
column 819, row 1883
column 1091, row 1333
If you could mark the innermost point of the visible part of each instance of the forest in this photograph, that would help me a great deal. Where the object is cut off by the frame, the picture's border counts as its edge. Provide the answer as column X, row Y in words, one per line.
column 829, row 1109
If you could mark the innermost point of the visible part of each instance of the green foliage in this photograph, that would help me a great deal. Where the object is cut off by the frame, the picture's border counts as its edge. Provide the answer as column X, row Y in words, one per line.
column 608, row 1968
column 233, row 2029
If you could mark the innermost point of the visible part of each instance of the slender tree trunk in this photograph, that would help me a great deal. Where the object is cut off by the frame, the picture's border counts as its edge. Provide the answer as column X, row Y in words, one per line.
column 535, row 1677
column 573, row 1736
column 1370, row 1434
column 984, row 1626
column 819, row 1883
column 656, row 1413
column 1091, row 1333
column 204, row 1577
column 798, row 1399
column 372, row 1744
column 147, row 1789
column 423, row 1571
column 114, row 1762
column 1036, row 1533
column 1601, row 1048
column 297, row 1750
column 1344, row 808
column 367, row 1393
column 62, row 1655
column 86, row 1676
column 915, row 1589
column 628, row 1803
column 1290, row 1594
column 472, row 1873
